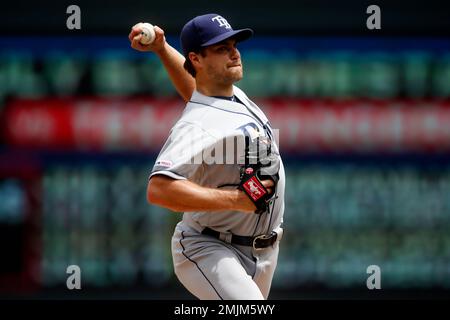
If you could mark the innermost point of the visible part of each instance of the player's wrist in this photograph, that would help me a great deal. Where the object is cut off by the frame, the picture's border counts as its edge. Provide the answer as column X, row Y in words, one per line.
column 163, row 51
column 243, row 203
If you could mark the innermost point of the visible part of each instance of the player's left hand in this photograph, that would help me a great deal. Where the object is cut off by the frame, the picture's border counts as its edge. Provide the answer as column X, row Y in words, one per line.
column 246, row 204
column 156, row 46
column 258, row 189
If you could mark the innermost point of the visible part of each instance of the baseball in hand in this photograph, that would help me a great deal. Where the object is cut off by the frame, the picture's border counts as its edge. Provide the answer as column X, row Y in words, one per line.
column 148, row 33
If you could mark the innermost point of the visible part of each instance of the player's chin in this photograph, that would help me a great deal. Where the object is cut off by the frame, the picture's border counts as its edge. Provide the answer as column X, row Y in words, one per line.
column 236, row 73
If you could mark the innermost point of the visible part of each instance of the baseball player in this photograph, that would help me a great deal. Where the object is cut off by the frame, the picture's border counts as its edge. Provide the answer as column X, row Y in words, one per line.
column 226, row 246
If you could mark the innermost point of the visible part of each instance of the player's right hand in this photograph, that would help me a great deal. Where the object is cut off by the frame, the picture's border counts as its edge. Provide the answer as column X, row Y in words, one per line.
column 155, row 46
column 268, row 184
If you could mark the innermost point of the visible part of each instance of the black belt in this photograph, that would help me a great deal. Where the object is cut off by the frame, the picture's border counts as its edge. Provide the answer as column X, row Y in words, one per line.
column 257, row 242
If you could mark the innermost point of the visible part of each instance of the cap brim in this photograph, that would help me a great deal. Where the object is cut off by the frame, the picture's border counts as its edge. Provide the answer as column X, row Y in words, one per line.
column 239, row 35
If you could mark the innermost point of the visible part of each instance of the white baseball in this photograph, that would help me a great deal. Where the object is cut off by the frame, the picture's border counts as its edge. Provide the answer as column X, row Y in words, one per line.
column 148, row 33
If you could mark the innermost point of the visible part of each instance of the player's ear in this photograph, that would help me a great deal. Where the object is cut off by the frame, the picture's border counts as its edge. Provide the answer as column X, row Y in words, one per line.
column 195, row 60
column 194, row 57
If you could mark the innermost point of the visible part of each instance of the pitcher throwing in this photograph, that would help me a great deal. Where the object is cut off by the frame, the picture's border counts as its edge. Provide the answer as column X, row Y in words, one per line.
column 226, row 246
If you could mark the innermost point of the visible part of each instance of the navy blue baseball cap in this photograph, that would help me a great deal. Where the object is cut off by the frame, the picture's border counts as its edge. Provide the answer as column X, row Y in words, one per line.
column 209, row 29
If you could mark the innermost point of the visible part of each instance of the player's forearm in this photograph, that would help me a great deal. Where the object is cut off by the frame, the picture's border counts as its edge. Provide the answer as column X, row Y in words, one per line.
column 185, row 196
column 173, row 63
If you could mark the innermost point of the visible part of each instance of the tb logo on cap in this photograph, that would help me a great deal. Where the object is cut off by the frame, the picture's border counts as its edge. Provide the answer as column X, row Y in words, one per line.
column 222, row 22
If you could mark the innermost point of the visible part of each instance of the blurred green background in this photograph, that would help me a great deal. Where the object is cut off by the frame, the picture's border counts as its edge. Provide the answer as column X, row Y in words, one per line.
column 364, row 120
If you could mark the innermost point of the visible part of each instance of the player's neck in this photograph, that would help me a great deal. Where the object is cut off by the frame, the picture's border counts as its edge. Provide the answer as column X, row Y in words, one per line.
column 211, row 90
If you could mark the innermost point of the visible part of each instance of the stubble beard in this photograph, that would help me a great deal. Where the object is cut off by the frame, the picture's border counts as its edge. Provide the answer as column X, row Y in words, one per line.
column 227, row 78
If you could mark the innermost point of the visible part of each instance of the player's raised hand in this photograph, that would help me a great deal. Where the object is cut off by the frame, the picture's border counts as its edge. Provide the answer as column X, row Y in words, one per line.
column 155, row 46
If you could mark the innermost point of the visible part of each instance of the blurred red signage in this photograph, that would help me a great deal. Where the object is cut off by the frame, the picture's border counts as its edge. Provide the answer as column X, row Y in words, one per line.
column 305, row 126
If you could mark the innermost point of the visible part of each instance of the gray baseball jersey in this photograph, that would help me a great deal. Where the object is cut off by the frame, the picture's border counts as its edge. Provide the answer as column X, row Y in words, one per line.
column 202, row 148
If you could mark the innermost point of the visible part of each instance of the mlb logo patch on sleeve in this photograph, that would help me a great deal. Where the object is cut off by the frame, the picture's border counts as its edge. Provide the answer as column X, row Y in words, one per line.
column 164, row 163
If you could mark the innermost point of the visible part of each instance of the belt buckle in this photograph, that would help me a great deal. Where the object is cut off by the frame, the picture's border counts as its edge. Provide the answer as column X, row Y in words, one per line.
column 262, row 236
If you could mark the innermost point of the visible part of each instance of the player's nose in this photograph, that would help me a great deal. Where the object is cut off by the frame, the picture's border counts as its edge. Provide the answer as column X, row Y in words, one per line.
column 235, row 54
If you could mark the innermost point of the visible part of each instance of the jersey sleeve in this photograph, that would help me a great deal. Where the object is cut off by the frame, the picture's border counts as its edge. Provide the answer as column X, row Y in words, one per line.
column 181, row 157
